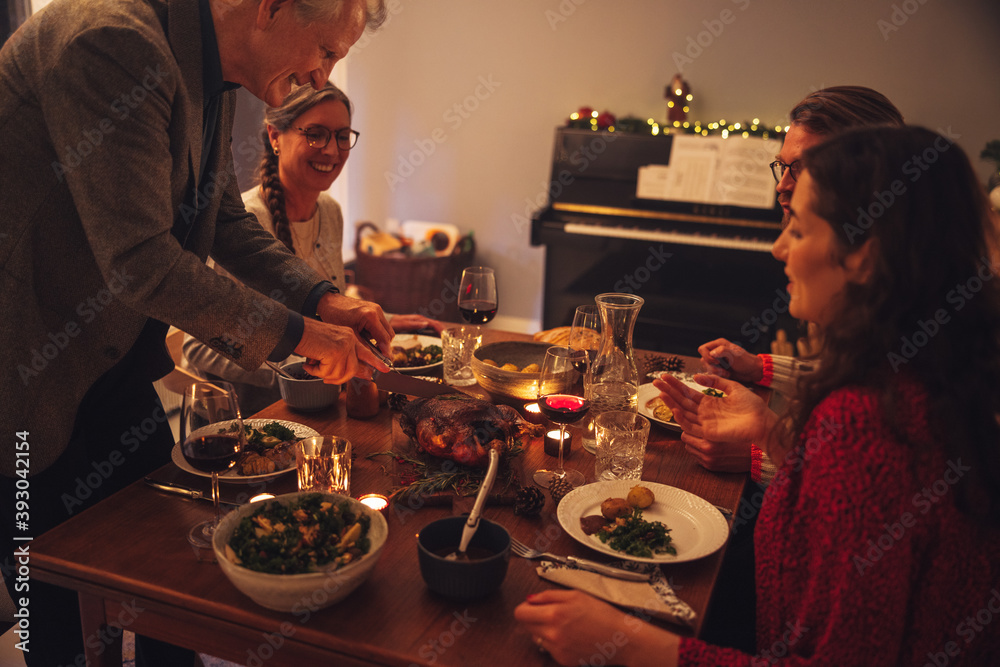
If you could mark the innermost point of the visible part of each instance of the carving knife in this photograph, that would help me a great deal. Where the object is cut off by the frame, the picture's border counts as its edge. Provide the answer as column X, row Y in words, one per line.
column 397, row 382
column 410, row 385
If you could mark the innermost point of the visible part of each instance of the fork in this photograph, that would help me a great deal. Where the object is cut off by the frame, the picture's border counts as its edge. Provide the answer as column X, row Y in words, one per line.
column 524, row 551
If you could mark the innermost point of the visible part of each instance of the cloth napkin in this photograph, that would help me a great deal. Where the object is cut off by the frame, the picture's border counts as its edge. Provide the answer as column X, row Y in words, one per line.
column 656, row 597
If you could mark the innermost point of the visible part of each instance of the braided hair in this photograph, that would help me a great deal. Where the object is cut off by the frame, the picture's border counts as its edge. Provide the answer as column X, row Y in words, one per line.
column 281, row 118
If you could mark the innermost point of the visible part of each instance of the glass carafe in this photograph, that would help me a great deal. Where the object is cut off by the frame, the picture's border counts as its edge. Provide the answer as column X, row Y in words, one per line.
column 613, row 380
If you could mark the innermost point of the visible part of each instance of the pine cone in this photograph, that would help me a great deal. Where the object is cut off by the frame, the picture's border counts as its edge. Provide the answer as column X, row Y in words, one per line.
column 558, row 488
column 528, row 501
column 397, row 401
column 657, row 363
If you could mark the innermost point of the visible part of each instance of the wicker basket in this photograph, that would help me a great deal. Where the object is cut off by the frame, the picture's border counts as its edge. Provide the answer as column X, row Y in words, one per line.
column 423, row 285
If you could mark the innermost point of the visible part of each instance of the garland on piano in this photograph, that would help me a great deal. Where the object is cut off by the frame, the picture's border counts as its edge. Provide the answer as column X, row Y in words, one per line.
column 586, row 118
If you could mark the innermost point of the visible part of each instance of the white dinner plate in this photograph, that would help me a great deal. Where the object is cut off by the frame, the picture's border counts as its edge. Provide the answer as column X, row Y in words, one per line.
column 414, row 340
column 300, row 430
column 697, row 528
column 648, row 392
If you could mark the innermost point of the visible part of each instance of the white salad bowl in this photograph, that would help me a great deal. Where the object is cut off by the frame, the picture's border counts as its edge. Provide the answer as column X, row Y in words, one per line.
column 311, row 590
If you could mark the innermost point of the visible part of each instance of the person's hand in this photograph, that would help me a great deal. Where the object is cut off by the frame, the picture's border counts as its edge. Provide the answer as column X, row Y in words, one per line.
column 718, row 431
column 414, row 323
column 728, row 360
column 334, row 353
column 575, row 628
column 360, row 315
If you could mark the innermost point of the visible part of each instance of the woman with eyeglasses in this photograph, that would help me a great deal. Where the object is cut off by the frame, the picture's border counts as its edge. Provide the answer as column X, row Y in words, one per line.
column 306, row 142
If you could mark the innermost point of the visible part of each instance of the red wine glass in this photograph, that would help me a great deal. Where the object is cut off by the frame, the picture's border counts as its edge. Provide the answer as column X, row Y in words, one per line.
column 212, row 438
column 562, row 399
column 477, row 295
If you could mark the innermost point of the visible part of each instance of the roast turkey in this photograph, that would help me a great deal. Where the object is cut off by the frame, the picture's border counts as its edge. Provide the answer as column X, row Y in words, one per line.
column 464, row 429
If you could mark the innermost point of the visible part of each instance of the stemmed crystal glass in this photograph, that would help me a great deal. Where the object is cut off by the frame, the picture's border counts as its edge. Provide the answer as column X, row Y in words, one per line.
column 212, row 438
column 561, row 398
column 477, row 295
column 585, row 334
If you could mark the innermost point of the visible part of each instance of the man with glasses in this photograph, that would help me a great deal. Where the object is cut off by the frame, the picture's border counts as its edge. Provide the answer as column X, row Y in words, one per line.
column 115, row 133
column 721, row 441
column 816, row 118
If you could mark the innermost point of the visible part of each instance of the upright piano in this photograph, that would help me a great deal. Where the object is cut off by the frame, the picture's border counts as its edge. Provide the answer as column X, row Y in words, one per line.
column 704, row 270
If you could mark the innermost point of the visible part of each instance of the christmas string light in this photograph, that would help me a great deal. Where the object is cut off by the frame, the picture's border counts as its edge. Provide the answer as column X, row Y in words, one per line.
column 587, row 119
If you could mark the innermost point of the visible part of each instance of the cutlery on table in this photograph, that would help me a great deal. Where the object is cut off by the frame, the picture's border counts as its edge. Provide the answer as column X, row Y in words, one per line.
column 177, row 489
column 524, row 551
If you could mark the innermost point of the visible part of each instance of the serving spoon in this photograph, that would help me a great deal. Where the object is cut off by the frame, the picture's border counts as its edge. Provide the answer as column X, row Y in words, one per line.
column 279, row 370
column 473, row 523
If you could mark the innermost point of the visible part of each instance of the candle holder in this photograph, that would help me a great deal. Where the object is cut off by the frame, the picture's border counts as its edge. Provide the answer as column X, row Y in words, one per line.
column 532, row 413
column 375, row 501
column 552, row 443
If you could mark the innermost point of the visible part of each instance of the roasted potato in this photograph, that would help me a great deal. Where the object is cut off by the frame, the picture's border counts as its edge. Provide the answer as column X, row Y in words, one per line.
column 612, row 508
column 640, row 496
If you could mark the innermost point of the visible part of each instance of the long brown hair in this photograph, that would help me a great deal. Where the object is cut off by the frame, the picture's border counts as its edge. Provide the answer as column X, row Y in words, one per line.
column 281, row 118
column 915, row 196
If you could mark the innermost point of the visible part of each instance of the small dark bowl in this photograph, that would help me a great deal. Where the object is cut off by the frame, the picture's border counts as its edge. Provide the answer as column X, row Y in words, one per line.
column 463, row 579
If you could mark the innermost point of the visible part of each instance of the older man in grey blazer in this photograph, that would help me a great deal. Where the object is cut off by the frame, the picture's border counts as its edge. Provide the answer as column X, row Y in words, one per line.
column 115, row 130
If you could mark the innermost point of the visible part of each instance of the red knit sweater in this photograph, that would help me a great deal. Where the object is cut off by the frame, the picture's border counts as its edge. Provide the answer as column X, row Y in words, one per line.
column 862, row 557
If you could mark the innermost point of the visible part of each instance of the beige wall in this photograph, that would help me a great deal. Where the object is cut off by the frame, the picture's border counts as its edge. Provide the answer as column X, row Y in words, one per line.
column 477, row 154
column 483, row 165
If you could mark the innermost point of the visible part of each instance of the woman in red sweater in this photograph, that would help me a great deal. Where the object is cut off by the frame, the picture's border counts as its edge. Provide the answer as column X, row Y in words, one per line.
column 879, row 539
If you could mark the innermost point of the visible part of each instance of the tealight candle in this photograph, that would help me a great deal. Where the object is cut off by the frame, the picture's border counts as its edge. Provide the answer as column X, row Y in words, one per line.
column 376, row 501
column 533, row 413
column 552, row 443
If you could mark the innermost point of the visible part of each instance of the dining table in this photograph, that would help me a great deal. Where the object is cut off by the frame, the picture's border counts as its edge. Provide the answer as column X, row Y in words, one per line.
column 130, row 562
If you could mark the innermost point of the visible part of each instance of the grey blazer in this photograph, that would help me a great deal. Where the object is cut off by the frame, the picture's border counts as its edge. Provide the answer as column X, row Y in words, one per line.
column 100, row 141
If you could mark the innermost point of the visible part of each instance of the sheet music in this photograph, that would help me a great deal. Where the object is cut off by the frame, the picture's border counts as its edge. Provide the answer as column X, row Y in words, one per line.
column 713, row 170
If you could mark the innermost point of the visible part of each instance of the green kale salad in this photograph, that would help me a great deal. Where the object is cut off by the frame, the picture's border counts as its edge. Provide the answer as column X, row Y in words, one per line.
column 308, row 535
column 637, row 537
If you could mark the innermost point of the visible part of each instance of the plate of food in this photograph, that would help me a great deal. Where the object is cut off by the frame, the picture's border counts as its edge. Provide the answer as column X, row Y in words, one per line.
column 413, row 353
column 683, row 527
column 653, row 407
column 268, row 452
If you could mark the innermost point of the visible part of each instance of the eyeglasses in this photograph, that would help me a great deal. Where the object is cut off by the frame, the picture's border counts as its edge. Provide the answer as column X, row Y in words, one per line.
column 319, row 137
column 778, row 168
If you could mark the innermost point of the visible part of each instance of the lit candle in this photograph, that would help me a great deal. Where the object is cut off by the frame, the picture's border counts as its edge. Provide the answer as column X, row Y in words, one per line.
column 376, row 501
column 552, row 443
column 533, row 413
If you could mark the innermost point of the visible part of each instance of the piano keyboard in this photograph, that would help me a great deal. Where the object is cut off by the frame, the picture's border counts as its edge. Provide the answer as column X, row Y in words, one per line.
column 731, row 243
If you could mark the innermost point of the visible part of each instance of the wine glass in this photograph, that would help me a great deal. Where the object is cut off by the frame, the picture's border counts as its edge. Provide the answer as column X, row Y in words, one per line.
column 561, row 398
column 477, row 295
column 585, row 334
column 212, row 437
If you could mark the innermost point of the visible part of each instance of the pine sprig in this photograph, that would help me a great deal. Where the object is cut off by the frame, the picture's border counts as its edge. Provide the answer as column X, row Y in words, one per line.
column 428, row 478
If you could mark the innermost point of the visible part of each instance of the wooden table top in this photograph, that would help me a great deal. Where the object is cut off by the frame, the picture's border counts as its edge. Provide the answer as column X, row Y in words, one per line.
column 130, row 552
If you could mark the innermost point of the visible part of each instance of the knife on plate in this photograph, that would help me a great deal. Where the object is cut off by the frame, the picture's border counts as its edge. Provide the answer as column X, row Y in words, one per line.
column 193, row 494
